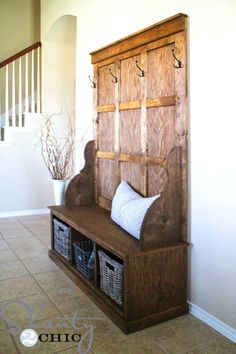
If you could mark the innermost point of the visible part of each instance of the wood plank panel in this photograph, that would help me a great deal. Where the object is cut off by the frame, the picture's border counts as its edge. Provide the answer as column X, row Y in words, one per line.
column 106, row 127
column 106, row 88
column 161, row 74
column 157, row 180
column 159, row 282
column 161, row 133
column 131, row 173
column 107, row 181
column 130, row 128
column 181, row 124
column 130, row 81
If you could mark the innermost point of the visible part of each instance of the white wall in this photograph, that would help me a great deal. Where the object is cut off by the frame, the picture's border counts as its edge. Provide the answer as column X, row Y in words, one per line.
column 212, row 77
column 24, row 177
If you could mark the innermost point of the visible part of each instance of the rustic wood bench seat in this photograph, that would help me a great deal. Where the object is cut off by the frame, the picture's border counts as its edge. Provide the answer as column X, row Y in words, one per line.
column 95, row 223
column 140, row 136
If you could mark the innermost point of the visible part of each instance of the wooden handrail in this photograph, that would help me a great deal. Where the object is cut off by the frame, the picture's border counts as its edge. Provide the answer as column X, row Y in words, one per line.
column 20, row 54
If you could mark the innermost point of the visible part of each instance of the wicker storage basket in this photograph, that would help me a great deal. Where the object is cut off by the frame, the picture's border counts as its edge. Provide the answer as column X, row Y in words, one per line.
column 111, row 277
column 62, row 239
column 83, row 251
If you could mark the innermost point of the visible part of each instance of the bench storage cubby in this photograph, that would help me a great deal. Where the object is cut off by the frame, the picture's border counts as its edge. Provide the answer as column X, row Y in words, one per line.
column 141, row 130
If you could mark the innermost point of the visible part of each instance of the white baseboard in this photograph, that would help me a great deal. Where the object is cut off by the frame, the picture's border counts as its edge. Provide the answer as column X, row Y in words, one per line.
column 8, row 214
column 212, row 321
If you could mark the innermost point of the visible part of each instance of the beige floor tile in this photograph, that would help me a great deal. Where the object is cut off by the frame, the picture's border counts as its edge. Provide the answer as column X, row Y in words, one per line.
column 23, row 310
column 112, row 345
column 161, row 330
column 54, row 280
column 73, row 300
column 138, row 343
column 188, row 333
column 35, row 223
column 29, row 217
column 16, row 233
column 40, row 264
column 11, row 225
column 24, row 242
column 218, row 346
column 42, row 230
column 8, row 256
column 9, row 219
column 13, row 270
column 46, row 217
column 26, row 247
column 45, row 240
column 17, row 288
column 7, row 345
column 75, row 350
column 3, row 245
column 3, row 324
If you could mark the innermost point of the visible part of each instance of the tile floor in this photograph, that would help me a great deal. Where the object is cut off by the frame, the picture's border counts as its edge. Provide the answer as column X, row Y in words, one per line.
column 35, row 293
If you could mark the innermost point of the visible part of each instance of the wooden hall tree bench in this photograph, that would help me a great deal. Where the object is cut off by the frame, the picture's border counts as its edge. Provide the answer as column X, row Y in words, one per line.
column 141, row 130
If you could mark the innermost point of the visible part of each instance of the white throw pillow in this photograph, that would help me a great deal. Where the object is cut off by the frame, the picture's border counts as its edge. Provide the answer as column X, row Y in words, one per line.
column 129, row 208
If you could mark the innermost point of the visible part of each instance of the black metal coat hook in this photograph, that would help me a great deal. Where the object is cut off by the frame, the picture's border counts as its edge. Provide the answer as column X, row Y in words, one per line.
column 180, row 64
column 93, row 83
column 141, row 70
column 115, row 79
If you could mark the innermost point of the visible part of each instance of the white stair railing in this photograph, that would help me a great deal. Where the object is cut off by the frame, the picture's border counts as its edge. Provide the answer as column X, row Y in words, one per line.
column 20, row 77
column 20, row 93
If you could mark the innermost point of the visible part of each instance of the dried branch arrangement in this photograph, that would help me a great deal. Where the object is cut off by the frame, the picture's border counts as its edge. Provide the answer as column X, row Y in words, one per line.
column 57, row 150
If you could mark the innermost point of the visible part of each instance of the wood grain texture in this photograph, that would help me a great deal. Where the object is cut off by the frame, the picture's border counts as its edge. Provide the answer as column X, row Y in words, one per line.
column 131, row 173
column 161, row 72
column 107, row 180
column 136, row 51
column 105, row 108
column 129, row 105
column 130, row 129
column 159, row 282
column 162, row 223
column 160, row 130
column 106, row 131
column 161, row 101
column 130, row 81
column 106, row 155
column 95, row 223
column 157, row 180
column 81, row 189
column 181, row 126
column 160, row 30
column 106, row 88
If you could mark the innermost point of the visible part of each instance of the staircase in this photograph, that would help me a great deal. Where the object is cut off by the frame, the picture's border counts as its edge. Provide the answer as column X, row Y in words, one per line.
column 20, row 88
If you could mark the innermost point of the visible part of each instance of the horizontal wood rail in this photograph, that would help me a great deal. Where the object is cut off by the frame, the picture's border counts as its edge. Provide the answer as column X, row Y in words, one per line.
column 150, row 103
column 20, row 54
column 150, row 160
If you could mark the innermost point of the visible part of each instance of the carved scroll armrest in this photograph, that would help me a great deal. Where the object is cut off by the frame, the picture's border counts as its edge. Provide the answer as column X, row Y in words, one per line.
column 162, row 223
column 81, row 189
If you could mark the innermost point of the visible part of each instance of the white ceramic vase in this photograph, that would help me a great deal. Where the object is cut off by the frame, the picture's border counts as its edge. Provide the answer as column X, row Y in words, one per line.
column 59, row 191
